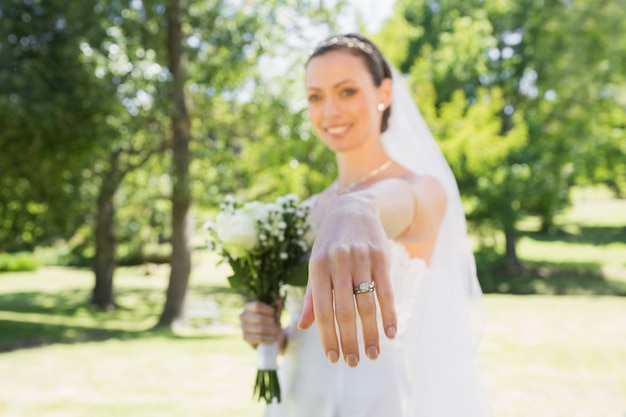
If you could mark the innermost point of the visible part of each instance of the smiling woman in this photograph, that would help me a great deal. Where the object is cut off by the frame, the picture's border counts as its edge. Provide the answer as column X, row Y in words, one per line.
column 391, row 275
column 344, row 102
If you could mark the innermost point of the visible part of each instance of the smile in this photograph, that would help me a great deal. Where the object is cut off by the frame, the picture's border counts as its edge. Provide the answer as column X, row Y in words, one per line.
column 337, row 131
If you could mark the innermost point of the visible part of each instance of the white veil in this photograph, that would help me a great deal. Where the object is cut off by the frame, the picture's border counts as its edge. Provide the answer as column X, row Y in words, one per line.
column 447, row 322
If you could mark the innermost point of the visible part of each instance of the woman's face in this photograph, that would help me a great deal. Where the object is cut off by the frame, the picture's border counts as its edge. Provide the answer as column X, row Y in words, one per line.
column 342, row 100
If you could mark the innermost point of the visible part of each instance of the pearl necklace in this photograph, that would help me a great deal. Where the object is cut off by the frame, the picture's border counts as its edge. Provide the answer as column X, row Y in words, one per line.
column 347, row 188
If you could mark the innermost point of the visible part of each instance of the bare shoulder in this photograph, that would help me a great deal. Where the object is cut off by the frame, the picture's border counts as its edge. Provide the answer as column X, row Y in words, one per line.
column 431, row 202
column 429, row 188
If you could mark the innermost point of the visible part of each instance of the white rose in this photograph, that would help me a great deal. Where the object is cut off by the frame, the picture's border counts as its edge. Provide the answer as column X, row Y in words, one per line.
column 237, row 232
column 255, row 209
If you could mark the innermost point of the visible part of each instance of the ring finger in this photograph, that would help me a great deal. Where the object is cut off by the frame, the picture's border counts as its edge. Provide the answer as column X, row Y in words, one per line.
column 366, row 305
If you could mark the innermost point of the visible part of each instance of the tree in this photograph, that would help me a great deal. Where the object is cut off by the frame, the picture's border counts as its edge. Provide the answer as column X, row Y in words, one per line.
column 51, row 108
column 130, row 131
column 493, row 49
column 216, row 36
column 122, row 162
column 181, row 196
column 117, row 55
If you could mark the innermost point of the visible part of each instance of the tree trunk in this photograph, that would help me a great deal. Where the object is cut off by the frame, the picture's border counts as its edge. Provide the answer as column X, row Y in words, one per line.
column 547, row 224
column 511, row 251
column 104, row 260
column 181, row 198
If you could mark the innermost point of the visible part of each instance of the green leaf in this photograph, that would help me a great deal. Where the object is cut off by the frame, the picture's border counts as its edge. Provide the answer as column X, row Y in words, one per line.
column 298, row 275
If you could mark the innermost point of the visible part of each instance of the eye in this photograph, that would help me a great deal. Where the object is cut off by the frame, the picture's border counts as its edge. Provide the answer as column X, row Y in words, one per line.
column 313, row 98
column 347, row 92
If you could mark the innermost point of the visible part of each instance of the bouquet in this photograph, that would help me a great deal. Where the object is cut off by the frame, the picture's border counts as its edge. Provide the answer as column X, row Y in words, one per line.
column 263, row 243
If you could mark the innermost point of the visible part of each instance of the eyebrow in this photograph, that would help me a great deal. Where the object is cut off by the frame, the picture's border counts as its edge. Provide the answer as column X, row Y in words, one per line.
column 348, row 80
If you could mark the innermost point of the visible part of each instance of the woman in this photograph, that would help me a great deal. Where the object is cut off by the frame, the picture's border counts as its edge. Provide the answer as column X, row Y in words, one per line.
column 391, row 250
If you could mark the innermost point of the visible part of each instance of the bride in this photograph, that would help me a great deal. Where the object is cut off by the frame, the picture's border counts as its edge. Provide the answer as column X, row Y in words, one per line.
column 389, row 322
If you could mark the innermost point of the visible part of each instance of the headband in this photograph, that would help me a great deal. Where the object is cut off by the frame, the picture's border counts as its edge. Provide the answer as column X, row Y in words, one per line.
column 352, row 43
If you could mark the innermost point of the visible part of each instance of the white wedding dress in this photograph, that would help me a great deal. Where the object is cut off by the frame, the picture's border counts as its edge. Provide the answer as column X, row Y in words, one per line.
column 426, row 371
column 429, row 369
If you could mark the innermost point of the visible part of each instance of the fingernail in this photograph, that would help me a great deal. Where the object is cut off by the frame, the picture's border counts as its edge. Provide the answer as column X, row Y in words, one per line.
column 391, row 332
column 352, row 361
column 372, row 352
column 332, row 356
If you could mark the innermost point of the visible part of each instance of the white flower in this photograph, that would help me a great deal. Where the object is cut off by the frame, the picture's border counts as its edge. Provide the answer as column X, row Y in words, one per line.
column 237, row 232
column 256, row 209
column 289, row 199
column 275, row 208
column 283, row 255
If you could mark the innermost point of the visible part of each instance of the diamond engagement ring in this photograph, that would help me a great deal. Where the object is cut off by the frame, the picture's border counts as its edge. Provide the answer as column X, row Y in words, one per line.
column 364, row 287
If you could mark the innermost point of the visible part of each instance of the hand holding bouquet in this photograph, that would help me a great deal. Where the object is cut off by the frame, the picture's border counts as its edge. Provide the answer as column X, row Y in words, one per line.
column 262, row 242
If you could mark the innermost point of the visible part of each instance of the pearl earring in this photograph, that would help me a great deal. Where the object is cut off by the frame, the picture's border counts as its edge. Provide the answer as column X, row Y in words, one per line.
column 380, row 107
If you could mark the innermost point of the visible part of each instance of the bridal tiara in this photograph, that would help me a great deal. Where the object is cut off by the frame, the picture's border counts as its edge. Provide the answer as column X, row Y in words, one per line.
column 352, row 43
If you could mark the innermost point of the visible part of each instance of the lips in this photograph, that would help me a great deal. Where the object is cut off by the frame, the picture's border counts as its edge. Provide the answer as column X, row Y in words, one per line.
column 337, row 131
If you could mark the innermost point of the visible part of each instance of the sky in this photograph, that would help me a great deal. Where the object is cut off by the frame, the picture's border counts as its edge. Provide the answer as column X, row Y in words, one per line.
column 374, row 13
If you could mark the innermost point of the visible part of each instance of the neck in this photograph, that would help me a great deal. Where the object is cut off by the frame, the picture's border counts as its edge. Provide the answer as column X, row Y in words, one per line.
column 356, row 164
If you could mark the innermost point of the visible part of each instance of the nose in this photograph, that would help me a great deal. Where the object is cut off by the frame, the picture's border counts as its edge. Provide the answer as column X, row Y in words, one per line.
column 331, row 107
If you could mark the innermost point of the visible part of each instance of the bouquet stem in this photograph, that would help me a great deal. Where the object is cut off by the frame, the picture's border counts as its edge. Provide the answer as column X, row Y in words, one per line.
column 267, row 386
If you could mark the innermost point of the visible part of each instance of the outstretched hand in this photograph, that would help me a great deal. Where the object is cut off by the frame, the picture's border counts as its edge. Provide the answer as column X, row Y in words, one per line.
column 351, row 247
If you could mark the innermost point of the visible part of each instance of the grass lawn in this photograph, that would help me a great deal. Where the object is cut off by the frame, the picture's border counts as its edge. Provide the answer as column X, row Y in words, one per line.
column 552, row 356
column 90, row 363
column 542, row 355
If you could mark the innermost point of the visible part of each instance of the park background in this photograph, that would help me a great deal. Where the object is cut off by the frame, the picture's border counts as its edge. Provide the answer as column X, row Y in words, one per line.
column 123, row 124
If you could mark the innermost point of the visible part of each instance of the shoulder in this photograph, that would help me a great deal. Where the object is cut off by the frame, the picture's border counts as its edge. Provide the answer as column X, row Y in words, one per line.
column 429, row 188
column 433, row 187
column 429, row 210
column 429, row 192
